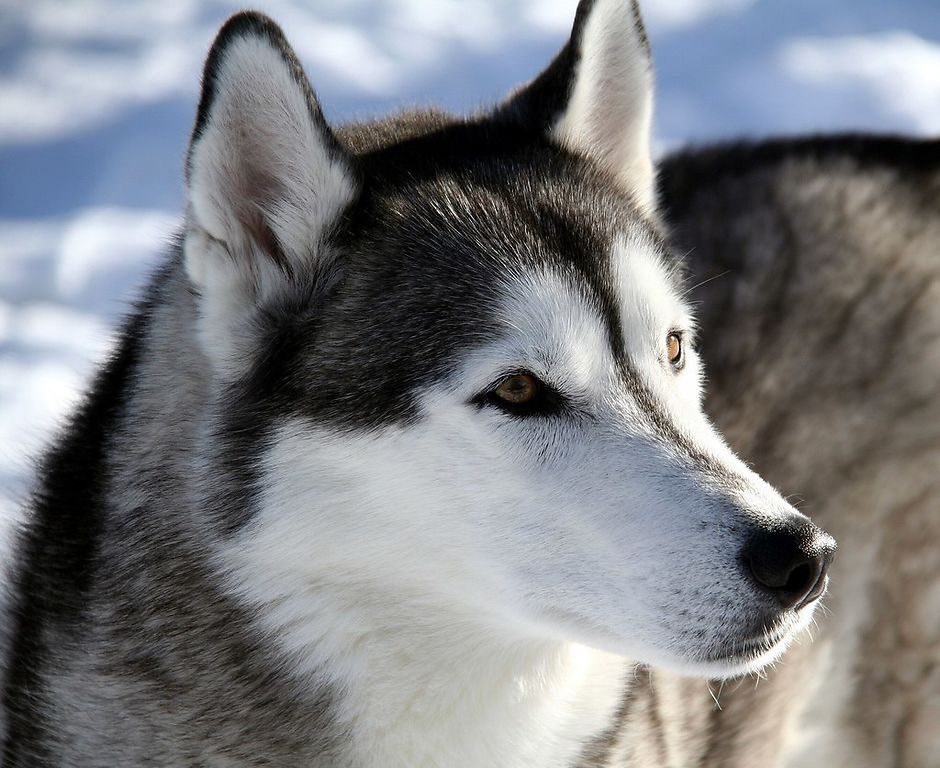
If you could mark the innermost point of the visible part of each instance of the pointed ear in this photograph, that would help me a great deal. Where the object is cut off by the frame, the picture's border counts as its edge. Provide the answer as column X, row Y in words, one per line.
column 596, row 97
column 266, row 180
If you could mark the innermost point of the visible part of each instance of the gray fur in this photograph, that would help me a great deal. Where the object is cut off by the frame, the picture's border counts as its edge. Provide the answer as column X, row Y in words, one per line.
column 154, row 662
column 163, row 670
column 821, row 331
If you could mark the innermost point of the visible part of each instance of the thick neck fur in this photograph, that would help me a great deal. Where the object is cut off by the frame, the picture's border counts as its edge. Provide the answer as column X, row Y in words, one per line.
column 424, row 688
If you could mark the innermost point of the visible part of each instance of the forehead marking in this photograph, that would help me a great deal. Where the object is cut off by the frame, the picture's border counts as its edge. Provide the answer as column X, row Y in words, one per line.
column 599, row 279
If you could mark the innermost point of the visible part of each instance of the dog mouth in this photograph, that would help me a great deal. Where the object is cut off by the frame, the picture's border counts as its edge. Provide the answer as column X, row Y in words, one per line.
column 748, row 649
column 764, row 642
column 735, row 657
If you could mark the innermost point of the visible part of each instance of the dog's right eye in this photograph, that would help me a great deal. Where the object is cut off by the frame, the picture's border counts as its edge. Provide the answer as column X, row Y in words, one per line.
column 519, row 389
column 521, row 394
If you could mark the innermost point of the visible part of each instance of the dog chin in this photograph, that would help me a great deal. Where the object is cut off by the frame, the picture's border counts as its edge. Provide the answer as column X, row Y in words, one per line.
column 742, row 663
column 746, row 657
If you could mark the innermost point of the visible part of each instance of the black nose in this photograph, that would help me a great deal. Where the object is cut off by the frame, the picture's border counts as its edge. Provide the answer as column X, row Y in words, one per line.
column 790, row 562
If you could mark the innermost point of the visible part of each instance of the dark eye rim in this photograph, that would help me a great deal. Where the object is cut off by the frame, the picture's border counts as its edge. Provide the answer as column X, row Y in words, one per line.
column 548, row 402
column 679, row 363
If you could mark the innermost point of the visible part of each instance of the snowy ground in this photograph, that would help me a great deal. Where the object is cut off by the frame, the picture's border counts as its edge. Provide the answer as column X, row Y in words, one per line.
column 97, row 98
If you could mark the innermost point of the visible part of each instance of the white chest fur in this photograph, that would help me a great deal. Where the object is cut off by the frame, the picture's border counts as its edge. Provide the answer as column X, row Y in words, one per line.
column 428, row 662
column 463, row 705
column 427, row 689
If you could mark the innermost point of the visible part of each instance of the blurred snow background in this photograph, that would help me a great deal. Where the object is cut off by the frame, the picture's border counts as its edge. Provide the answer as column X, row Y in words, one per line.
column 97, row 99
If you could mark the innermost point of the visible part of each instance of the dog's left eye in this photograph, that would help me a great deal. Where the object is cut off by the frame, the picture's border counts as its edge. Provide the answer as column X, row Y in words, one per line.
column 674, row 349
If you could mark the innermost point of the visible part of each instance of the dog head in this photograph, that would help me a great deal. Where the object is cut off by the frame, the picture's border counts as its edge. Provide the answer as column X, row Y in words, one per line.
column 468, row 367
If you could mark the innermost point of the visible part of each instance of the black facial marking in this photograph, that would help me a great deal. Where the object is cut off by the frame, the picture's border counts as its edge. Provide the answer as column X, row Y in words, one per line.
column 423, row 260
column 589, row 257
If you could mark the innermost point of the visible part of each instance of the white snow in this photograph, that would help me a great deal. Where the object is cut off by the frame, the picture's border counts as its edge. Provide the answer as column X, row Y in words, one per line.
column 65, row 282
column 897, row 72
column 97, row 99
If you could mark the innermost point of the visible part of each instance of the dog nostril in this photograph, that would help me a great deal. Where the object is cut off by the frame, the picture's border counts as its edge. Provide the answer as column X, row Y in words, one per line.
column 819, row 582
column 798, row 578
column 791, row 564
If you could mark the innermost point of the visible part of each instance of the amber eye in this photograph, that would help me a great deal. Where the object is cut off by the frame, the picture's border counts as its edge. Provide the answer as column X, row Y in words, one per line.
column 674, row 348
column 519, row 389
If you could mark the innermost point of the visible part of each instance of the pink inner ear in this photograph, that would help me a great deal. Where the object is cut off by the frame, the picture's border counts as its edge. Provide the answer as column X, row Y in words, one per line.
column 266, row 174
column 256, row 193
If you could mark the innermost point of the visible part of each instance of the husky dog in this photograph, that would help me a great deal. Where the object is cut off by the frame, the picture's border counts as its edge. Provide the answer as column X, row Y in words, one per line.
column 401, row 461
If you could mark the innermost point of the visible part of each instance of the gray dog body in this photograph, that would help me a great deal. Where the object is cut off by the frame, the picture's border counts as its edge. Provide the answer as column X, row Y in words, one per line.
column 401, row 460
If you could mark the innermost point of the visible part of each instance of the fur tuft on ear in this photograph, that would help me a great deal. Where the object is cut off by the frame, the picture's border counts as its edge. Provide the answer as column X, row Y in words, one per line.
column 266, row 178
column 596, row 97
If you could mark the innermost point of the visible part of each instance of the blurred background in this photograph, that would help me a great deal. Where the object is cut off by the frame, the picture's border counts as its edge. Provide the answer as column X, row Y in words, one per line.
column 97, row 99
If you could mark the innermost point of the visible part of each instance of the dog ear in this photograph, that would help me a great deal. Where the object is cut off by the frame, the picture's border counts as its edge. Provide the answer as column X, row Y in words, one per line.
column 596, row 97
column 266, row 180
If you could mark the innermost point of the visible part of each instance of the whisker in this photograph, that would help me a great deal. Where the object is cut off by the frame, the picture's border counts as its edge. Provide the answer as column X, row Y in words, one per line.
column 715, row 697
column 706, row 280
